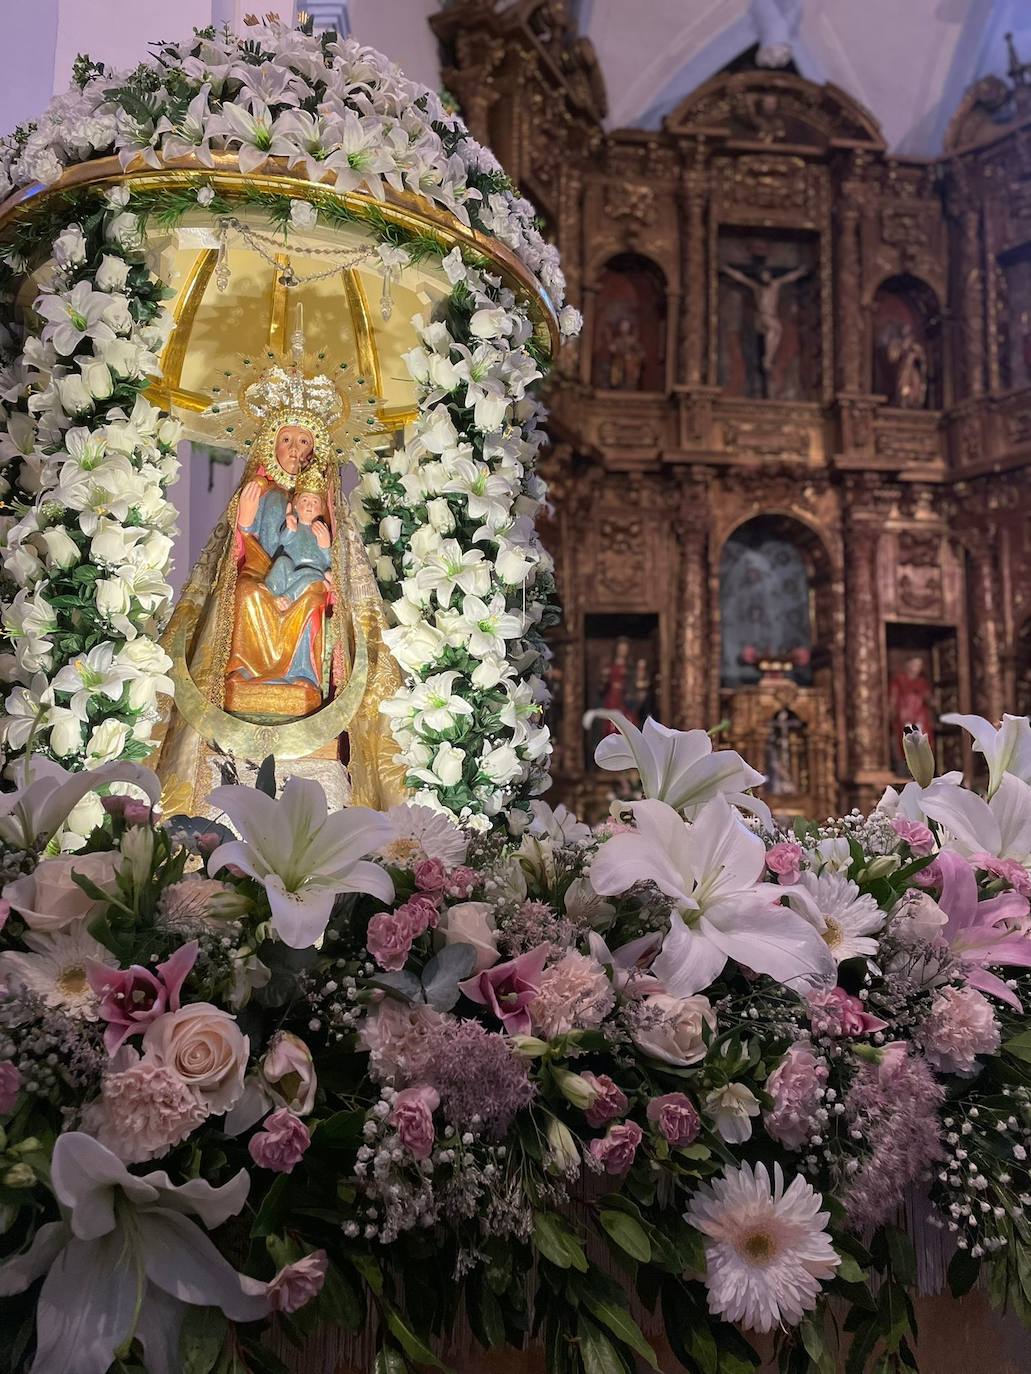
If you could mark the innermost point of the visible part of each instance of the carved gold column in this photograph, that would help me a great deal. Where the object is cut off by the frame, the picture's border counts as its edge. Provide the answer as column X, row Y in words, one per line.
column 866, row 733
column 986, row 628
column 693, row 275
column 850, row 320
column 972, row 334
column 692, row 695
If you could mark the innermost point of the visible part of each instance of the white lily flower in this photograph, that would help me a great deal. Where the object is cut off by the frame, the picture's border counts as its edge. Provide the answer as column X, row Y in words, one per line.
column 679, row 767
column 74, row 315
column 488, row 495
column 1000, row 826
column 485, row 626
column 93, row 674
column 452, row 569
column 559, row 824
column 303, row 856
column 26, row 713
column 48, row 793
column 431, row 705
column 1006, row 748
column 192, row 135
column 256, row 133
column 124, row 1259
column 711, row 868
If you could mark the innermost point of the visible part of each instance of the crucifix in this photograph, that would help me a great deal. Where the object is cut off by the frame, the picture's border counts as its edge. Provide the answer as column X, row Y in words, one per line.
column 766, row 288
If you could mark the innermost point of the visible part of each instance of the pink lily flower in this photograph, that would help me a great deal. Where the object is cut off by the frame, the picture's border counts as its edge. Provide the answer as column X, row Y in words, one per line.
column 973, row 931
column 133, row 997
column 508, row 989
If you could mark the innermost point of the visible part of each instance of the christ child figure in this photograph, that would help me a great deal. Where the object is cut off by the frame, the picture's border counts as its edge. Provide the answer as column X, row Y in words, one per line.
column 303, row 555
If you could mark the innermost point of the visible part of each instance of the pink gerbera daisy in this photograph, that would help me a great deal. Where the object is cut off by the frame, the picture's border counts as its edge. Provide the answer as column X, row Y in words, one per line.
column 766, row 1249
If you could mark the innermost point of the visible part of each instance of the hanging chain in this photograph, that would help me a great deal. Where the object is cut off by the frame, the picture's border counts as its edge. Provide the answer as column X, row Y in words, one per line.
column 267, row 248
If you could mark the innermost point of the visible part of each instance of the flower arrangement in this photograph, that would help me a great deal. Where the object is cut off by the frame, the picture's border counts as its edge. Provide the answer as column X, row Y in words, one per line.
column 256, row 1077
column 449, row 517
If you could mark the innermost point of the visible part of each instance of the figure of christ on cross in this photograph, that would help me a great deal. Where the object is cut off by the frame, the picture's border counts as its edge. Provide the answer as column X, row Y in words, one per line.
column 766, row 288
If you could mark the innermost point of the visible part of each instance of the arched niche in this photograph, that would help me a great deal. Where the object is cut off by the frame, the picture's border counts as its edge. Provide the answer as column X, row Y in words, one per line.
column 907, row 343
column 773, row 625
column 628, row 347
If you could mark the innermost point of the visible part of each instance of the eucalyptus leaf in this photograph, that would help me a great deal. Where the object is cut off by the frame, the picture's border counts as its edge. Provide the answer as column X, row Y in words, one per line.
column 444, row 972
column 400, row 984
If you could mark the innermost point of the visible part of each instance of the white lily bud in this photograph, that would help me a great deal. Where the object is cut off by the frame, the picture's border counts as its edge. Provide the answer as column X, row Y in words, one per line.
column 75, row 398
column 98, row 380
column 61, row 549
column 563, row 1156
column 574, row 1088
column 919, row 755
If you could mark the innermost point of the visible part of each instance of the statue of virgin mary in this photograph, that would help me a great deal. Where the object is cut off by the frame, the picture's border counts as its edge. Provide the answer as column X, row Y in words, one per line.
column 277, row 638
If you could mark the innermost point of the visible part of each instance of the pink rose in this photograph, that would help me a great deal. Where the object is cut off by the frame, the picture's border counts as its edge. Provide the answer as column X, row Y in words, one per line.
column 508, row 989
column 891, row 1058
column 10, row 1082
column 206, row 1048
column 785, row 859
column 673, row 1028
column 676, row 1118
column 472, row 923
column 137, row 813
column 1009, row 870
column 50, row 899
column 616, row 1149
column 610, row 1102
column 430, row 876
column 389, row 940
column 837, row 1012
column 297, row 1283
column 419, row 913
column 931, row 876
column 289, row 1072
column 281, row 1143
column 917, row 836
column 412, row 1118
column 460, row 882
column 130, row 999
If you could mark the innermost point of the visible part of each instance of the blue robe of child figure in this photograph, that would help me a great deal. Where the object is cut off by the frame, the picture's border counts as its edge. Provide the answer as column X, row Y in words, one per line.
column 301, row 549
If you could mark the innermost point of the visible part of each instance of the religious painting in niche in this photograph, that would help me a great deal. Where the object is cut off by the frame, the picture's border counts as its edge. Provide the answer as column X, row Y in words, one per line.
column 787, row 755
column 769, row 316
column 922, row 687
column 629, row 352
column 765, row 605
column 907, row 344
column 1015, row 319
column 621, row 655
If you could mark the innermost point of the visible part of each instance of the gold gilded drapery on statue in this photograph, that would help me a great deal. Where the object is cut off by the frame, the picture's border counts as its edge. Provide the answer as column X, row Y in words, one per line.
column 277, row 638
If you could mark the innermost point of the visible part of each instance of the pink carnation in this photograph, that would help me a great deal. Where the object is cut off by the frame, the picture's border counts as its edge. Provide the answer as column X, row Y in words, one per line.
column 397, row 1037
column 676, row 1118
column 298, row 1283
column 611, row 1100
column 281, row 1143
column 430, row 876
column 795, row 1086
column 616, row 1149
column 412, row 1118
column 574, row 994
column 785, row 859
column 419, row 913
column 960, row 1025
column 1009, row 870
column 145, row 1110
column 460, row 882
column 10, row 1083
column 389, row 940
column 836, row 1012
column 930, row 876
column 917, row 836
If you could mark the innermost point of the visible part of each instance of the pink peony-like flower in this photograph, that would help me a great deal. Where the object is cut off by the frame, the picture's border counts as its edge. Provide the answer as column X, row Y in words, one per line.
column 615, row 1150
column 611, row 1101
column 412, row 1117
column 836, row 1012
column 389, row 940
column 130, row 999
column 785, row 859
column 144, row 1110
column 508, row 989
column 396, row 1035
column 1009, row 870
column 10, row 1083
column 205, row 1047
column 673, row 1028
column 796, row 1088
column 960, row 1025
column 281, row 1143
column 297, row 1283
column 430, row 876
column 460, row 882
column 575, row 994
column 917, row 836
column 676, row 1117
column 419, row 913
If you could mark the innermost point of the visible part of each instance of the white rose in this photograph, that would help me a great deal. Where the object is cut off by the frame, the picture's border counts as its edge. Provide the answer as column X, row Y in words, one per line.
column 488, row 672
column 70, row 247
column 415, row 645
column 570, row 321
column 303, row 214
column 122, row 357
column 501, row 764
column 124, row 229
column 23, row 565
column 390, row 529
column 142, row 697
column 50, row 899
column 513, row 565
column 169, row 432
column 385, row 570
column 145, row 655
column 370, row 485
column 472, row 923
column 61, row 549
column 205, row 1047
column 425, row 542
column 106, row 743
column 75, row 399
column 677, row 1038
column 443, row 372
column 117, row 315
column 98, row 380
column 112, row 273
column 82, row 820
column 65, row 731
column 112, row 544
column 490, row 323
column 113, row 597
column 440, row 515
column 448, row 764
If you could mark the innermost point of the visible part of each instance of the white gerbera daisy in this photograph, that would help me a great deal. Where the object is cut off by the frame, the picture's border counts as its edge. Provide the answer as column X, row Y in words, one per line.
column 421, row 833
column 56, row 968
column 845, row 917
column 766, row 1250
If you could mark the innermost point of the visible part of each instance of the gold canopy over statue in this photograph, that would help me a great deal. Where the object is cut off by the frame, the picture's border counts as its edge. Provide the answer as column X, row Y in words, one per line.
column 277, row 639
